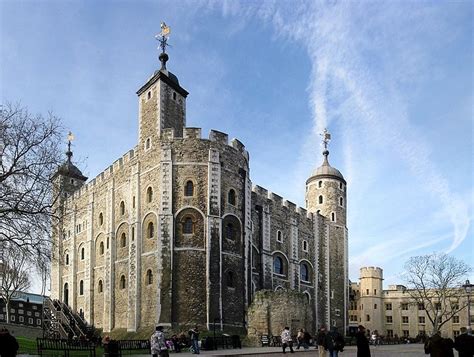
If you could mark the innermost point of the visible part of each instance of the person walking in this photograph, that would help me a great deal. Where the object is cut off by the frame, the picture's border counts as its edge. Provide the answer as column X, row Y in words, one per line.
column 306, row 340
column 299, row 338
column 158, row 343
column 321, row 342
column 363, row 349
column 436, row 346
column 335, row 342
column 194, row 336
column 464, row 344
column 286, row 340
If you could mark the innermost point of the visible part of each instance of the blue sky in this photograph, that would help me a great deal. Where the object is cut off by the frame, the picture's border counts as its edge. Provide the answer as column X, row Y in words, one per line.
column 393, row 82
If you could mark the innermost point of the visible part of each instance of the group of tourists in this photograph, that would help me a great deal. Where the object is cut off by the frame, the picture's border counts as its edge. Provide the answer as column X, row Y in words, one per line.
column 437, row 346
column 160, row 345
column 332, row 341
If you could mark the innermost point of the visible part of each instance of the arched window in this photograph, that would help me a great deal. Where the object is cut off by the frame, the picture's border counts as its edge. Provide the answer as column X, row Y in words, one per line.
column 147, row 144
column 82, row 253
column 231, row 197
column 151, row 230
column 340, row 185
column 122, row 282
column 149, row 194
column 320, row 199
column 278, row 265
column 189, row 188
column 101, row 219
column 318, row 211
column 101, row 248
column 123, row 240
column 230, row 279
column 100, row 288
column 320, row 184
column 279, row 236
column 229, row 231
column 66, row 294
column 333, row 217
column 122, row 208
column 341, row 201
column 305, row 246
column 149, row 277
column 188, row 225
column 133, row 234
column 67, row 259
column 81, row 287
column 304, row 272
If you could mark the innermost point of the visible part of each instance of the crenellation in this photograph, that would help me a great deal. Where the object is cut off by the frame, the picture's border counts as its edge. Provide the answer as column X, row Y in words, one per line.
column 277, row 199
column 290, row 205
column 260, row 190
column 192, row 133
column 219, row 137
column 168, row 134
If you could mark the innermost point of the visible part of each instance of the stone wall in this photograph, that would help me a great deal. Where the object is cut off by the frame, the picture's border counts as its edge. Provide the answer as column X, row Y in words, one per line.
column 271, row 311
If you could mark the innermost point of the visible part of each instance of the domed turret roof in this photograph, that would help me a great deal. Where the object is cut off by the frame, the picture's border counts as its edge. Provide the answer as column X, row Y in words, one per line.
column 326, row 170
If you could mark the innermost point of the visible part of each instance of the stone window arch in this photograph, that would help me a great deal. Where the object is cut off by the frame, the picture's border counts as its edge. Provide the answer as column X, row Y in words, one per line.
column 123, row 240
column 81, row 287
column 100, row 286
column 147, row 144
column 318, row 211
column 101, row 219
column 150, row 230
column 278, row 267
column 149, row 194
column 188, row 225
column 122, row 282
column 230, row 279
column 82, row 253
column 189, row 188
column 308, row 296
column 320, row 199
column 101, row 248
column 122, row 208
column 304, row 272
column 149, row 277
column 231, row 197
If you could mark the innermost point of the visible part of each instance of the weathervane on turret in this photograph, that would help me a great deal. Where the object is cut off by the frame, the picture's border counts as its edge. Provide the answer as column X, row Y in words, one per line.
column 326, row 139
column 163, row 38
column 70, row 138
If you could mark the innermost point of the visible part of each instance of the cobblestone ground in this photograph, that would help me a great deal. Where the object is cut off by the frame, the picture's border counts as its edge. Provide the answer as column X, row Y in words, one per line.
column 414, row 350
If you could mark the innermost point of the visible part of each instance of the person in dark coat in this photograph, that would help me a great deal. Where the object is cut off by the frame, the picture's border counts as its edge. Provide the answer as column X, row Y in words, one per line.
column 335, row 342
column 363, row 349
column 464, row 344
column 436, row 346
column 321, row 342
column 8, row 343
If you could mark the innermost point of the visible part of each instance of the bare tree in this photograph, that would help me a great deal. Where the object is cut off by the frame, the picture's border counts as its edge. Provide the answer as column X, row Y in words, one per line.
column 434, row 282
column 29, row 155
column 14, row 274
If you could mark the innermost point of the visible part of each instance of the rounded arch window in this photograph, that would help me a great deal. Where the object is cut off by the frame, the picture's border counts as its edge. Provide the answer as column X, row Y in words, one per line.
column 308, row 297
column 341, row 201
column 67, row 259
column 100, row 286
column 304, row 272
column 147, row 144
column 82, row 253
column 231, row 197
column 101, row 219
column 229, row 231
column 320, row 184
column 81, row 287
column 122, row 282
column 151, row 230
column 230, row 279
column 122, row 208
column 305, row 245
column 123, row 240
column 279, row 236
column 149, row 194
column 278, row 267
column 320, row 199
column 333, row 217
column 101, row 248
column 189, row 188
column 188, row 225
column 149, row 277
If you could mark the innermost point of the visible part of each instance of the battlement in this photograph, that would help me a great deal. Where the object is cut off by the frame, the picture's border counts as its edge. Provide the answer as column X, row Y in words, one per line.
column 219, row 137
column 371, row 272
column 279, row 201
column 192, row 133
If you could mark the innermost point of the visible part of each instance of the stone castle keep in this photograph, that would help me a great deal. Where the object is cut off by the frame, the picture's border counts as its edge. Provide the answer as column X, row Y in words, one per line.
column 174, row 232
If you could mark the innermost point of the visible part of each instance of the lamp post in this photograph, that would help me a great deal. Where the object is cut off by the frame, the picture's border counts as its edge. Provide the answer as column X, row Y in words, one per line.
column 468, row 288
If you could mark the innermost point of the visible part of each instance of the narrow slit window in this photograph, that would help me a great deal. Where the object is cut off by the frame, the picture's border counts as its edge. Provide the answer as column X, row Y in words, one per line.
column 189, row 189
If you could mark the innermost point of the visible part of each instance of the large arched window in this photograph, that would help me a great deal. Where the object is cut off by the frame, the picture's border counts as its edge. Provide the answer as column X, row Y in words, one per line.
column 278, row 265
column 123, row 240
column 320, row 199
column 229, row 231
column 149, row 277
column 122, row 282
column 304, row 272
column 101, row 248
column 230, row 279
column 188, row 225
column 231, row 197
column 100, row 286
column 81, row 287
column 189, row 188
column 149, row 194
column 122, row 208
column 151, row 230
